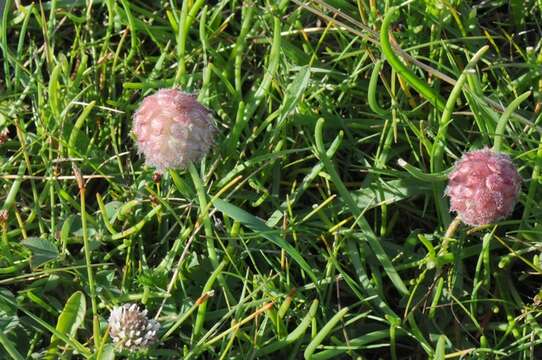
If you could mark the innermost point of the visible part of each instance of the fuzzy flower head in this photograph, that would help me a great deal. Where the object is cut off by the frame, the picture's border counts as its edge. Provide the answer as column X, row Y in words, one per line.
column 483, row 187
column 172, row 129
column 130, row 328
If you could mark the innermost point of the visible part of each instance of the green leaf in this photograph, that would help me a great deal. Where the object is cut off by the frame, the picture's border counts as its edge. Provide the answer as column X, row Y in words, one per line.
column 54, row 91
column 388, row 192
column 259, row 227
column 112, row 208
column 294, row 92
column 324, row 332
column 108, row 353
column 67, row 339
column 10, row 347
column 69, row 320
column 440, row 352
column 42, row 251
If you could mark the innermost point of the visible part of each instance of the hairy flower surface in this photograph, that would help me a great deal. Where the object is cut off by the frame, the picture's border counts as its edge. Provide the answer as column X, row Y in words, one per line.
column 483, row 187
column 130, row 328
column 172, row 129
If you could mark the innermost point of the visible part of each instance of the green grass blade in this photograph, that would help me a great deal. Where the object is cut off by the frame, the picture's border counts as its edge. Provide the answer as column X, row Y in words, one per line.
column 263, row 230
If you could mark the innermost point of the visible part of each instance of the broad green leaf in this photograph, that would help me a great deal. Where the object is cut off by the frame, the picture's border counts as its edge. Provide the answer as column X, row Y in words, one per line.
column 42, row 250
column 69, row 320
column 259, row 227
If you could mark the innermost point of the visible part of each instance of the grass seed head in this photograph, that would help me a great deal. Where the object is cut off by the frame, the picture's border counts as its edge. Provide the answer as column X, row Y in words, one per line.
column 172, row 129
column 483, row 187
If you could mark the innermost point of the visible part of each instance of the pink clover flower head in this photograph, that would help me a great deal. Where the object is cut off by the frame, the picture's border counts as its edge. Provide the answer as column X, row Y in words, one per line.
column 172, row 129
column 483, row 187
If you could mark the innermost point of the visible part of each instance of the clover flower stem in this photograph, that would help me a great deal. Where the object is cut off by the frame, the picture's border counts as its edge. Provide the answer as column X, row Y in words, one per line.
column 204, row 216
column 88, row 261
column 101, row 345
column 207, row 227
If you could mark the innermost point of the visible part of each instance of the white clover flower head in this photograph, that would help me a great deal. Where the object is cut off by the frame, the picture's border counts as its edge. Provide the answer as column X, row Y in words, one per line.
column 130, row 328
column 172, row 129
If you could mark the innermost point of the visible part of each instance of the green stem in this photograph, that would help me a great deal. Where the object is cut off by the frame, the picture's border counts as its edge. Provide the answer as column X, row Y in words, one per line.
column 371, row 94
column 207, row 228
column 204, row 215
column 324, row 332
column 103, row 212
column 373, row 241
column 501, row 125
column 440, row 140
column 535, row 180
column 401, row 68
column 14, row 189
column 420, row 175
column 202, row 310
column 274, row 57
column 88, row 263
column 8, row 346
column 450, row 232
column 187, row 18
column 437, row 151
